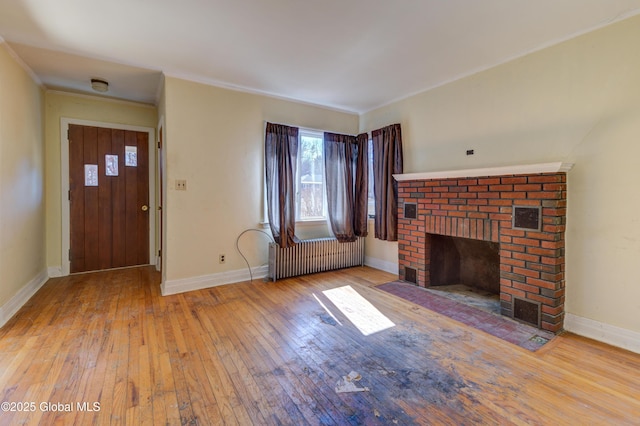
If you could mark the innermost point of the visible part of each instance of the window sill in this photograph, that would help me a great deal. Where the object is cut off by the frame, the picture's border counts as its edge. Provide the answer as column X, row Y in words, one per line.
column 311, row 223
column 301, row 223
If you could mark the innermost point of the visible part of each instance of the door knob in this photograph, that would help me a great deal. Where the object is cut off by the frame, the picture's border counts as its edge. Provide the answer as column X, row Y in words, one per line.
column 145, row 208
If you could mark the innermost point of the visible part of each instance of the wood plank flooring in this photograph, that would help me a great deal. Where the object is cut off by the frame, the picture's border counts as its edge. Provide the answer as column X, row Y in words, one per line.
column 268, row 353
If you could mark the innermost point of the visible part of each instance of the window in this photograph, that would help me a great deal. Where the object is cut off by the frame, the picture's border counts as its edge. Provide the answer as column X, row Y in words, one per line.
column 310, row 191
column 371, row 195
column 310, row 182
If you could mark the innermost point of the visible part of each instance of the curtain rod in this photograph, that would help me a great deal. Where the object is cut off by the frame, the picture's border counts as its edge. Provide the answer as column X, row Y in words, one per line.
column 305, row 128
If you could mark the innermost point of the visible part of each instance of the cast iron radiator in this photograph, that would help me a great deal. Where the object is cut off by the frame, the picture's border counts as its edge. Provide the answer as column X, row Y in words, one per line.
column 316, row 255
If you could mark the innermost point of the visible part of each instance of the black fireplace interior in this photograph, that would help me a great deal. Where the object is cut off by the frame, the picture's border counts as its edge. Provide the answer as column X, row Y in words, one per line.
column 473, row 263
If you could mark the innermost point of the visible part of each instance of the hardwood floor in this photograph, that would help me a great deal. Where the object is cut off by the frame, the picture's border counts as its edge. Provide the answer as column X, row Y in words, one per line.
column 269, row 353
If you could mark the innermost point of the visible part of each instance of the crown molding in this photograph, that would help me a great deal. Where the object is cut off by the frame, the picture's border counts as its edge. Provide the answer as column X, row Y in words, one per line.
column 22, row 63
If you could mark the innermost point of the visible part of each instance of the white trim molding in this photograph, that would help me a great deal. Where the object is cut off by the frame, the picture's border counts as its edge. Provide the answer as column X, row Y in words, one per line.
column 9, row 309
column 521, row 169
column 610, row 334
column 55, row 271
column 212, row 280
column 22, row 63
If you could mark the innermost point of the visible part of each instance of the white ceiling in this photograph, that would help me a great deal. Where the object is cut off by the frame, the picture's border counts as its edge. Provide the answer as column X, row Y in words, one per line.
column 352, row 55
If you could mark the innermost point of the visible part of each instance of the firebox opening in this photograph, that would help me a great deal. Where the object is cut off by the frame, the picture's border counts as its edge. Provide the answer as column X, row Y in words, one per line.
column 464, row 261
column 467, row 271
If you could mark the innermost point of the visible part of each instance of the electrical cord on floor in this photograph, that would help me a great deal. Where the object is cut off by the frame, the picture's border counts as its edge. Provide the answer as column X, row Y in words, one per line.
column 243, row 256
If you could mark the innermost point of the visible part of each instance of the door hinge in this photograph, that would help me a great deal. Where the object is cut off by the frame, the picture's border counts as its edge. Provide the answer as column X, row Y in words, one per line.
column 69, row 195
column 159, row 144
column 69, row 255
column 159, row 253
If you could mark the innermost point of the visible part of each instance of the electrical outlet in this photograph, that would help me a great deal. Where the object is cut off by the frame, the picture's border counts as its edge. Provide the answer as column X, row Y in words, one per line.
column 221, row 258
column 181, row 185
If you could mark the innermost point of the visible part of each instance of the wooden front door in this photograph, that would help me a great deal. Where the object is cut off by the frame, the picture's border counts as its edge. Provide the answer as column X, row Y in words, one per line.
column 109, row 198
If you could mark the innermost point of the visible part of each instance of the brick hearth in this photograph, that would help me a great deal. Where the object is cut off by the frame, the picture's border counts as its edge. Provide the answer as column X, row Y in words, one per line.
column 531, row 261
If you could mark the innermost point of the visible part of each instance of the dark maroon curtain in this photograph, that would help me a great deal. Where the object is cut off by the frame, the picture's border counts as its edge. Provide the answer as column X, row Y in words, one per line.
column 346, row 166
column 361, row 208
column 387, row 161
column 281, row 152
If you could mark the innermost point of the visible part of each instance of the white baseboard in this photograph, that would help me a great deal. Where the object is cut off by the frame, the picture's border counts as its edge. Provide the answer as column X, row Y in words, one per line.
column 213, row 280
column 55, row 271
column 383, row 265
column 610, row 334
column 10, row 308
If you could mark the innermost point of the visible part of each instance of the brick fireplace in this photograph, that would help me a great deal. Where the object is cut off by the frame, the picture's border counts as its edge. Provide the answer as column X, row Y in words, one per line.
column 520, row 208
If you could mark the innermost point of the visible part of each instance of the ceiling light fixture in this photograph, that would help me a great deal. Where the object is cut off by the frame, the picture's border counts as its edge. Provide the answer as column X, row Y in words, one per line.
column 99, row 85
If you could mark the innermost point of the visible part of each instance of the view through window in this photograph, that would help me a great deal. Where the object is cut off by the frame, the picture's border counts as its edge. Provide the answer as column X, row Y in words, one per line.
column 371, row 200
column 311, row 192
column 310, row 180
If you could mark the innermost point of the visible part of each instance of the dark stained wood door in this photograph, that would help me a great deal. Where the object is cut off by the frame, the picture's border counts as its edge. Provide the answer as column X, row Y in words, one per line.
column 109, row 198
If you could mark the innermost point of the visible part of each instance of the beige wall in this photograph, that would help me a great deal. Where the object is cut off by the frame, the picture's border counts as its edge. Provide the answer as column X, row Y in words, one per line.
column 22, row 208
column 215, row 140
column 576, row 102
column 65, row 105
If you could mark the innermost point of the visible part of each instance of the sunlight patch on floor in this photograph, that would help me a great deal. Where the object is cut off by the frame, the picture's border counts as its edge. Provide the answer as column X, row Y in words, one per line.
column 366, row 317
column 327, row 310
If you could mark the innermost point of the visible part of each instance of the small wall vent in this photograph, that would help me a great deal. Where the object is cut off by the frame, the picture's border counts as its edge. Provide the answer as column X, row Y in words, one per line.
column 410, row 275
column 410, row 210
column 526, row 218
column 526, row 311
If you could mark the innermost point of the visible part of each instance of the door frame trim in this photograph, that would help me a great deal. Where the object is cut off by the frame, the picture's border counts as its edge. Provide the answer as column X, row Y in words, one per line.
column 161, row 192
column 64, row 184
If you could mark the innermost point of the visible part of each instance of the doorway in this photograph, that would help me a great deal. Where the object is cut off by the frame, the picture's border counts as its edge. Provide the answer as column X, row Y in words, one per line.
column 109, row 204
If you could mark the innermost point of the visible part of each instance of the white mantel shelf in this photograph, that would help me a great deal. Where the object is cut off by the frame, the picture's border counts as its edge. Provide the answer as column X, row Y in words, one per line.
column 521, row 169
